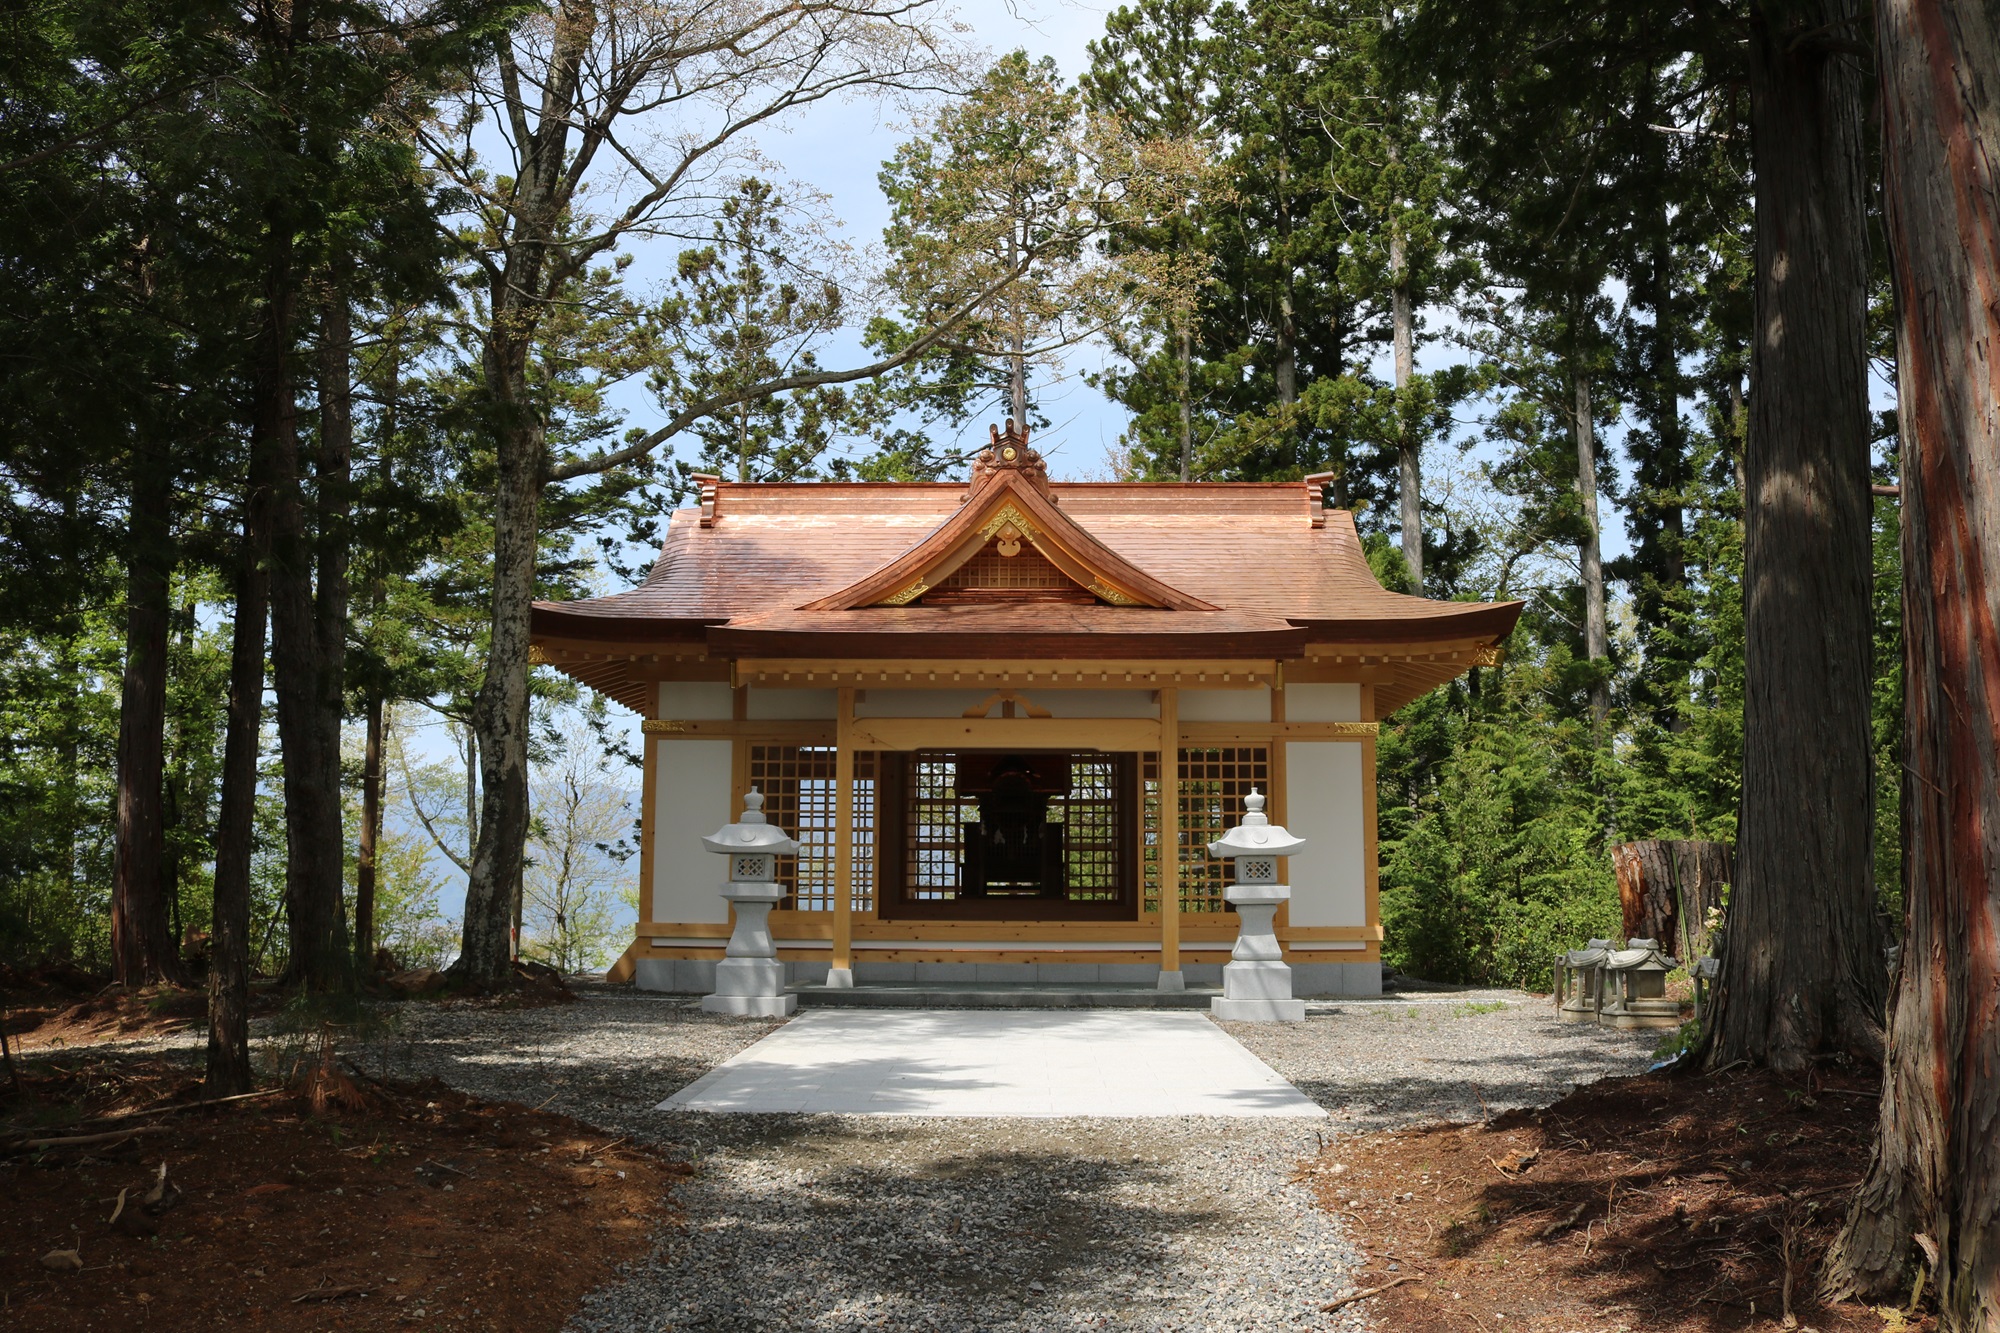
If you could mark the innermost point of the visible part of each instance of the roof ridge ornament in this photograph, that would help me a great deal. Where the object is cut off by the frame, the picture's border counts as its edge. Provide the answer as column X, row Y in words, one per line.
column 1009, row 452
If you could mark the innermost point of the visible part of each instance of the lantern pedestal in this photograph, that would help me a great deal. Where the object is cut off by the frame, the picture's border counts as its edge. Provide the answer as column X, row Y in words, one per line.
column 750, row 981
column 1256, row 983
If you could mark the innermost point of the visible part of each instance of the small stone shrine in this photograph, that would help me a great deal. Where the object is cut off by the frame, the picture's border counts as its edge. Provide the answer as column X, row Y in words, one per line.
column 1633, row 989
column 1578, row 978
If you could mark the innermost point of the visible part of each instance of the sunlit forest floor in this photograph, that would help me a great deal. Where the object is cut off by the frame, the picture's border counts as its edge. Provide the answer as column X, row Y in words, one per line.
column 1670, row 1203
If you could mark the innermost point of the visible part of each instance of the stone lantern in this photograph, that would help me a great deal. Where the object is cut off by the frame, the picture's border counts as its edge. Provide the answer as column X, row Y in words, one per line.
column 1256, row 983
column 1634, row 988
column 1577, row 981
column 750, row 980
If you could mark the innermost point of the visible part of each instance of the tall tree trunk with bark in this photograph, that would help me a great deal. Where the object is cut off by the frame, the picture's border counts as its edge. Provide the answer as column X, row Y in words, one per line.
column 371, row 832
column 1802, row 973
column 228, row 1070
column 500, row 711
column 1590, row 553
column 1409, row 451
column 1932, row 1193
column 333, row 556
column 1186, row 389
column 1668, row 482
column 143, row 948
column 308, row 696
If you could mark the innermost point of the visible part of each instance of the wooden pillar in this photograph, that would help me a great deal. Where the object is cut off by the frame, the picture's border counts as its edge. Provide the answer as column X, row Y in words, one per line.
column 1170, row 840
column 841, row 972
column 1280, row 792
column 1370, row 852
column 649, row 814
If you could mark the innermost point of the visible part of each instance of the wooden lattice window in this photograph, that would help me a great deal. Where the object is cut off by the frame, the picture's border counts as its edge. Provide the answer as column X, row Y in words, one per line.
column 1094, row 812
column 798, row 786
column 1027, row 575
column 1213, row 783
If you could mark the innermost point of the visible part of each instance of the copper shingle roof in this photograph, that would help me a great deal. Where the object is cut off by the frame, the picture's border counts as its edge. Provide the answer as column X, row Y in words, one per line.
column 1214, row 571
column 1248, row 548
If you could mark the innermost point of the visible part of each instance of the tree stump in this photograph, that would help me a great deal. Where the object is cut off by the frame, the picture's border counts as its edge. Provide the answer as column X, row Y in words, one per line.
column 1667, row 887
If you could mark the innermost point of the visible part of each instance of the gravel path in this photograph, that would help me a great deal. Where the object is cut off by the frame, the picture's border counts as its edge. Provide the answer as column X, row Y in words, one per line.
column 829, row 1223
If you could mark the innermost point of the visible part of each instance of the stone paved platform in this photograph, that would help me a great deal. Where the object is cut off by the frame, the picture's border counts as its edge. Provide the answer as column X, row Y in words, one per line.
column 972, row 1062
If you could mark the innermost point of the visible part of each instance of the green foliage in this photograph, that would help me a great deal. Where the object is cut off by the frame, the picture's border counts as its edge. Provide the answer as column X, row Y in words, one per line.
column 58, row 742
column 1492, row 846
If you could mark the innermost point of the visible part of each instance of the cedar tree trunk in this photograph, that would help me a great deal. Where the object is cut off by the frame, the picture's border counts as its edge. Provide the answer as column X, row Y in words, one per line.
column 143, row 948
column 1409, row 452
column 308, row 694
column 330, row 595
column 1590, row 551
column 228, row 1069
column 1932, row 1194
column 371, row 832
column 1802, row 971
column 1186, row 388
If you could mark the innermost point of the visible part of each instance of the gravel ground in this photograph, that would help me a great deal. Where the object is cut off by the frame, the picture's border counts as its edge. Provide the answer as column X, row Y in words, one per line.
column 830, row 1223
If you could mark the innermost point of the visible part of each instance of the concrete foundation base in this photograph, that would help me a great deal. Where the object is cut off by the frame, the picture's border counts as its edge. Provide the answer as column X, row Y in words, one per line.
column 751, row 1006
column 1258, row 1011
column 1175, row 980
column 696, row 976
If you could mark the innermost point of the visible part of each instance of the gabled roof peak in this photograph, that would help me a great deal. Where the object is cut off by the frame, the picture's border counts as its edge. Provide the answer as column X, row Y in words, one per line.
column 1010, row 505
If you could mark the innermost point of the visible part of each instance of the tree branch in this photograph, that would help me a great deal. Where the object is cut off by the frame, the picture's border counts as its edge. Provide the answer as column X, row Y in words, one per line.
column 694, row 412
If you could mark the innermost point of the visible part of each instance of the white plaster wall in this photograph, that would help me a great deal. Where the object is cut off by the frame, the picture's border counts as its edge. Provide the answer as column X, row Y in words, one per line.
column 1329, row 878
column 691, row 800
column 693, row 700
column 1226, row 705
column 768, row 705
column 1095, row 703
column 1323, row 703
column 953, row 702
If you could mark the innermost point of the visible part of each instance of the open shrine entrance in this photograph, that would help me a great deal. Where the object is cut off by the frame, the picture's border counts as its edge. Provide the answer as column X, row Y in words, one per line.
column 1015, row 835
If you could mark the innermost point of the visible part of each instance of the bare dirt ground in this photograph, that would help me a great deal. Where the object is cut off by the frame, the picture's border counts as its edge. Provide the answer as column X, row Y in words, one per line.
column 1667, row 1203
column 328, row 1200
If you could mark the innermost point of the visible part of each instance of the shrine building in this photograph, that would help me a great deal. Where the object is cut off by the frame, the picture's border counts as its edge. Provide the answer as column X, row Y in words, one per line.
column 984, row 708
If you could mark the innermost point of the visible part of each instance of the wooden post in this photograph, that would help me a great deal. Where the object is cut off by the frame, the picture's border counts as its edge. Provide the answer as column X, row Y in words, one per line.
column 841, row 973
column 1170, row 840
column 649, row 815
